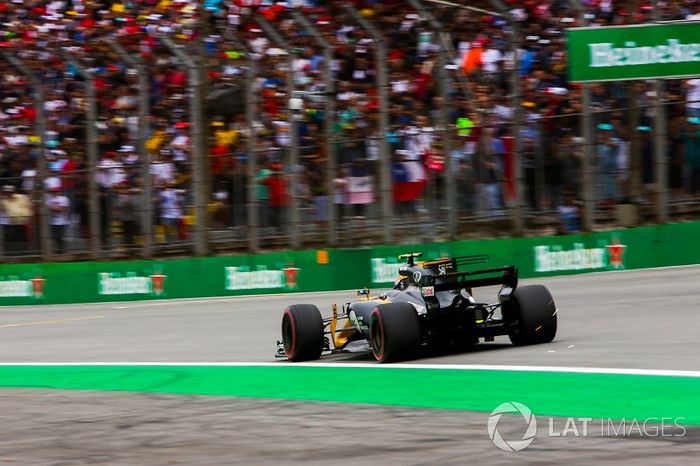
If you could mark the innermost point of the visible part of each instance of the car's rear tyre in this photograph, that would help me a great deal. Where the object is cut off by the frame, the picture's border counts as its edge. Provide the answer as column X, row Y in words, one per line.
column 394, row 332
column 302, row 332
column 531, row 316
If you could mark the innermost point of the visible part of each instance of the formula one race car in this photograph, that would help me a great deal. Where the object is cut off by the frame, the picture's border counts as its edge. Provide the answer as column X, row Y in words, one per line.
column 431, row 303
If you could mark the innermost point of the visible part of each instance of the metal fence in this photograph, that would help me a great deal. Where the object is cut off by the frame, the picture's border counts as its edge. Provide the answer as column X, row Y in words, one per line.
column 218, row 144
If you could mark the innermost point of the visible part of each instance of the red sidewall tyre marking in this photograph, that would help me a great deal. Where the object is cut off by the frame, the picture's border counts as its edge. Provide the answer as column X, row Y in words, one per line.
column 379, row 356
column 290, row 353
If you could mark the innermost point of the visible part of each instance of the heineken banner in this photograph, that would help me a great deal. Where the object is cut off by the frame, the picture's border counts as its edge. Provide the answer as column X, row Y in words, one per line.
column 339, row 269
column 176, row 278
column 668, row 50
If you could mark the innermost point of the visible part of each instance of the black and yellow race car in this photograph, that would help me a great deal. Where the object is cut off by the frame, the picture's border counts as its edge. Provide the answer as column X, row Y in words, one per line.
column 430, row 304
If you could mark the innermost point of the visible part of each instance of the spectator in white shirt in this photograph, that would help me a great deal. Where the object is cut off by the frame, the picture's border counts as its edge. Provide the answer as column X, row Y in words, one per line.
column 110, row 171
column 490, row 58
column 170, row 210
column 58, row 205
column 692, row 98
column 163, row 169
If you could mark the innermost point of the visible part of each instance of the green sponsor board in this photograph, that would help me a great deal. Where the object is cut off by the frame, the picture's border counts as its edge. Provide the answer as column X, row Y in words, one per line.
column 654, row 246
column 179, row 278
column 634, row 52
column 339, row 269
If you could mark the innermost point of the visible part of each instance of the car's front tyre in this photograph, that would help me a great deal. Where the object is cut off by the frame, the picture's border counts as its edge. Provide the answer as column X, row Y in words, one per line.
column 302, row 332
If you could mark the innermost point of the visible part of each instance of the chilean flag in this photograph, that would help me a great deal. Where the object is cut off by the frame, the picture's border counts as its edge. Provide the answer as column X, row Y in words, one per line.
column 360, row 188
column 409, row 180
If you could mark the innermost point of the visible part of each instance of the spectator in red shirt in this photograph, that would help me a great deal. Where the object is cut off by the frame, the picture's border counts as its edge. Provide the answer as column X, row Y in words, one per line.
column 279, row 196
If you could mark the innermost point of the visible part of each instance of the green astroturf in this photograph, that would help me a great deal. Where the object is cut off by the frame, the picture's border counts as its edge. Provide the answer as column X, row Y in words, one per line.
column 546, row 393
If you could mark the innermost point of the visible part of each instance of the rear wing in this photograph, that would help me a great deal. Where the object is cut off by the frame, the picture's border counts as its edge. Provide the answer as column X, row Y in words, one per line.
column 451, row 264
column 505, row 276
column 471, row 260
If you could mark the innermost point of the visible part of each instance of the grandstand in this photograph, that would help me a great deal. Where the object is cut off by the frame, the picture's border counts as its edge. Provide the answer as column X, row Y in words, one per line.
column 150, row 128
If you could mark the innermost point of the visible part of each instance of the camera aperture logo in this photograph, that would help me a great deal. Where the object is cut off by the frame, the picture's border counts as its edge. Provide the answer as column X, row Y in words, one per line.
column 528, row 419
column 508, row 436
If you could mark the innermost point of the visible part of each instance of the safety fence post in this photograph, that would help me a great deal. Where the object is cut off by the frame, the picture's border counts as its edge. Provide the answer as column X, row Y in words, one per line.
column 516, row 206
column 446, row 129
column 660, row 135
column 382, row 83
column 144, row 154
column 91, row 146
column 329, row 119
column 251, row 103
column 295, row 240
column 199, row 157
column 588, row 165
column 39, row 99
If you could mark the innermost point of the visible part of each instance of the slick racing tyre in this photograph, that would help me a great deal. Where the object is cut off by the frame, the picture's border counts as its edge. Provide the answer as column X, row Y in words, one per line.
column 531, row 316
column 394, row 332
column 302, row 332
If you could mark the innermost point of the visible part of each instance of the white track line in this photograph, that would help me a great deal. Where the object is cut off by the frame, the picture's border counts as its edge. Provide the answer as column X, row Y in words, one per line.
column 463, row 367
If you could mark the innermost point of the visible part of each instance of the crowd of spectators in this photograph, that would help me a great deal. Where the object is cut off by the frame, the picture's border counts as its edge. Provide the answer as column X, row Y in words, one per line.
column 228, row 38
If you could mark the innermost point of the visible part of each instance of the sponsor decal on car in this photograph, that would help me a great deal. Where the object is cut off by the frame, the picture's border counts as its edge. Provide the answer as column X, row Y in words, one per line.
column 428, row 291
column 115, row 283
column 14, row 287
column 555, row 258
column 242, row 278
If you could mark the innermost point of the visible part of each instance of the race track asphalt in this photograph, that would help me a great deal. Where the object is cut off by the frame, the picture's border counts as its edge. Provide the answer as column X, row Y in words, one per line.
column 633, row 319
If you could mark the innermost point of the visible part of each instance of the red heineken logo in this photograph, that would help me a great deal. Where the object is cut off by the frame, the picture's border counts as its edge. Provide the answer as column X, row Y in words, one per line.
column 158, row 283
column 290, row 277
column 38, row 286
column 615, row 253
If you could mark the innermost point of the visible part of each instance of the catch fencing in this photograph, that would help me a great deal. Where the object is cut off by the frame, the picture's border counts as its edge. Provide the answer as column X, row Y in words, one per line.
column 216, row 147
